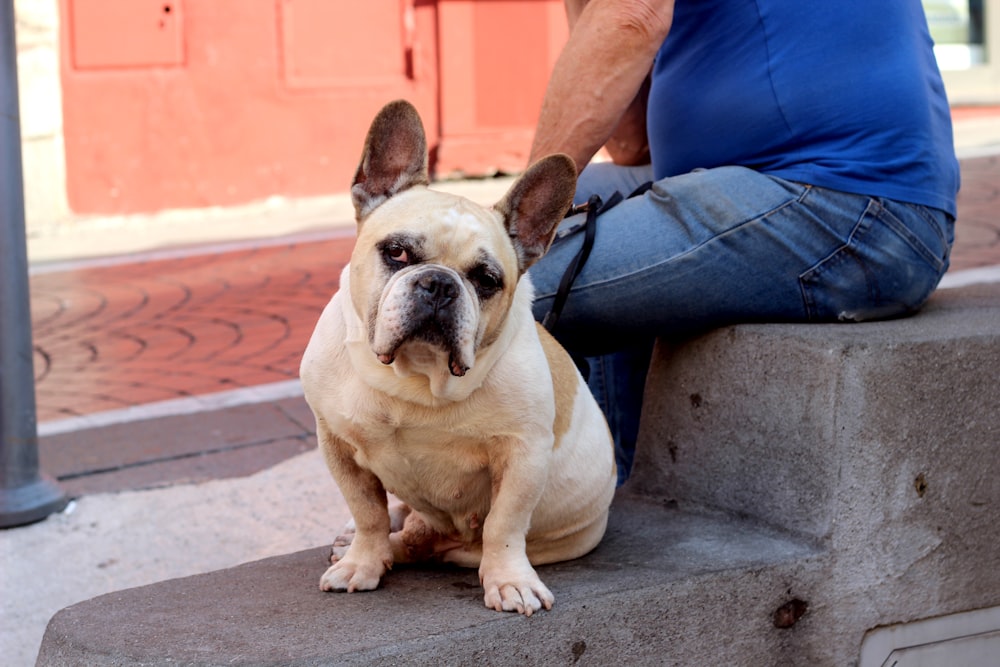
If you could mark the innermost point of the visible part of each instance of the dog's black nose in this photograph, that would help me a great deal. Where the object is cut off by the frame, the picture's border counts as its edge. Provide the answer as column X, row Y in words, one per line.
column 437, row 290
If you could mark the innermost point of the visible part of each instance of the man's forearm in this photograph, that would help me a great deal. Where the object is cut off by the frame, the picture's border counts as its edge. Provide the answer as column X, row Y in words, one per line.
column 629, row 143
column 598, row 75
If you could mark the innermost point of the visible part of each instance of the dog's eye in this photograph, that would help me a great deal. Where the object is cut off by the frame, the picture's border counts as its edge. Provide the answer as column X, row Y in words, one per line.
column 487, row 282
column 397, row 253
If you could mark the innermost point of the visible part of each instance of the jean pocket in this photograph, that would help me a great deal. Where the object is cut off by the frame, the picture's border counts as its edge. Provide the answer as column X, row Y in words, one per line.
column 891, row 262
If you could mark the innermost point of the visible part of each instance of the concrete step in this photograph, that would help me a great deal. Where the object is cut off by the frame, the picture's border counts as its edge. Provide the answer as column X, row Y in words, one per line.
column 663, row 587
column 827, row 429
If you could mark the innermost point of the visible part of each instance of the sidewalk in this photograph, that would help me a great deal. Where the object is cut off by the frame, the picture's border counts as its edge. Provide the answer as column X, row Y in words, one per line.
column 168, row 402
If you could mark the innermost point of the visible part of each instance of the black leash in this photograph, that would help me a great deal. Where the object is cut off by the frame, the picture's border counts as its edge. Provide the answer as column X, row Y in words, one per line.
column 594, row 207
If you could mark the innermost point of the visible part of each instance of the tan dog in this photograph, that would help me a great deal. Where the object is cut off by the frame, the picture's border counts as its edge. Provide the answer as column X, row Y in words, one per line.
column 429, row 379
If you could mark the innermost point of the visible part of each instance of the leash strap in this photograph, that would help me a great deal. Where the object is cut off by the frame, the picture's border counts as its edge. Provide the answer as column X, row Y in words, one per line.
column 594, row 207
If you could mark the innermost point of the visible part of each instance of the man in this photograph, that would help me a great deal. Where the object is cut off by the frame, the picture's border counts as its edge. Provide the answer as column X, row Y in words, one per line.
column 802, row 164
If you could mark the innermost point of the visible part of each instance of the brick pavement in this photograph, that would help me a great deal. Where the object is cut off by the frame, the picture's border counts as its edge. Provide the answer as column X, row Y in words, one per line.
column 977, row 232
column 111, row 337
column 134, row 333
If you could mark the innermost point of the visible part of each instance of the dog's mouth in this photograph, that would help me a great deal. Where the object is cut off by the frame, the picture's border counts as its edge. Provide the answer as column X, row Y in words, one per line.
column 433, row 335
column 456, row 368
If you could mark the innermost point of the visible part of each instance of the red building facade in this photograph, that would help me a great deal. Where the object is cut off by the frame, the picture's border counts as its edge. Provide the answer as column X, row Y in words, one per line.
column 196, row 103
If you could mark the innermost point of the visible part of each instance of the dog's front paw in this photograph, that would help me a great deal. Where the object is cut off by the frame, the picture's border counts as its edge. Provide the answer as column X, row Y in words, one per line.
column 342, row 543
column 350, row 575
column 359, row 564
column 522, row 592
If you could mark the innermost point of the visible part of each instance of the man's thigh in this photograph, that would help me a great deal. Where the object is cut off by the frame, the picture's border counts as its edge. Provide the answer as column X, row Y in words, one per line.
column 699, row 250
column 606, row 178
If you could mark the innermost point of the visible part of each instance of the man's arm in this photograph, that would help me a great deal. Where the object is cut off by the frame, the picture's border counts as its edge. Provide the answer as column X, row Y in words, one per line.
column 629, row 143
column 596, row 85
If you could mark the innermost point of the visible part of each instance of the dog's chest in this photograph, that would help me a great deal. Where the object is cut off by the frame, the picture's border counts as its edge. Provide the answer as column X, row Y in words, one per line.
column 423, row 464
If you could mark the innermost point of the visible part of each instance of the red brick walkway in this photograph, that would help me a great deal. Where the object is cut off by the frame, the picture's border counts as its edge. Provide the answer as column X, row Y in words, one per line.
column 117, row 336
column 133, row 333
column 977, row 232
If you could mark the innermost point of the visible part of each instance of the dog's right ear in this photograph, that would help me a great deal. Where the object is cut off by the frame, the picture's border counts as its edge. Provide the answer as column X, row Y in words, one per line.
column 535, row 204
column 394, row 158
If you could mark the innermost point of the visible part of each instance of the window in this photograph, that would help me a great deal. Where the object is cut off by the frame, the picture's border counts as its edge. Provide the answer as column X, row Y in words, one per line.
column 966, row 37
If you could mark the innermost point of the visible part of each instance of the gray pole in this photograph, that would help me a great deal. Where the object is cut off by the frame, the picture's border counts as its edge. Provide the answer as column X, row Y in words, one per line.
column 25, row 494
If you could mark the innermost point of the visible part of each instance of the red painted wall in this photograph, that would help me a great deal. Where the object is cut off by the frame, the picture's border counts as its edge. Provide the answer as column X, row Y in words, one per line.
column 195, row 103
column 496, row 56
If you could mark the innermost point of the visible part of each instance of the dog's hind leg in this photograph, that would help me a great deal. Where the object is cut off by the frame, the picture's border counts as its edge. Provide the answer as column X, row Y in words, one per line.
column 418, row 542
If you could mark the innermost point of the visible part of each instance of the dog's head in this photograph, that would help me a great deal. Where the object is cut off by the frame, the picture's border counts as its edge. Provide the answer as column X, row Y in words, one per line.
column 432, row 274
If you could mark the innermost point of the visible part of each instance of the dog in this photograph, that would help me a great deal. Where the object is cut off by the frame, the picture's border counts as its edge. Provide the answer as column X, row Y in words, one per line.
column 430, row 380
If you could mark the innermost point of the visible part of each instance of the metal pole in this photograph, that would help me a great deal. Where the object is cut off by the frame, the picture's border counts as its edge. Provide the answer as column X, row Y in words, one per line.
column 26, row 495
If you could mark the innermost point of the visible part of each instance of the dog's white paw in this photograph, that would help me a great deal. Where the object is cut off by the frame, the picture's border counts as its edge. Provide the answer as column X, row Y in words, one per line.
column 524, row 593
column 349, row 575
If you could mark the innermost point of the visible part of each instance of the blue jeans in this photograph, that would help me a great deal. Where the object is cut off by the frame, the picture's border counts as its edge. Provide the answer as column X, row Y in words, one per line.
column 723, row 246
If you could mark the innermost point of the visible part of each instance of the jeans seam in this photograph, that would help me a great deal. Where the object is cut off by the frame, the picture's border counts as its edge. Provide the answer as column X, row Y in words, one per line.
column 900, row 229
column 929, row 219
column 807, row 300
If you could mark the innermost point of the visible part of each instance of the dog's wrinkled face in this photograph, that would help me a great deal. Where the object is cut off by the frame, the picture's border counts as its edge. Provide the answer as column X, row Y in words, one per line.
column 433, row 274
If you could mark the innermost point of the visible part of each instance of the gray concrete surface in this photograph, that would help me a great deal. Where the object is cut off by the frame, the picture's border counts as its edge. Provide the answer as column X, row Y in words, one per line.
column 649, row 585
column 787, row 423
column 110, row 541
column 796, row 487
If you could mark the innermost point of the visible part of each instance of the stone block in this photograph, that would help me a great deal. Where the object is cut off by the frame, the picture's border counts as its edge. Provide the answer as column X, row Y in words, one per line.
column 664, row 587
column 820, row 429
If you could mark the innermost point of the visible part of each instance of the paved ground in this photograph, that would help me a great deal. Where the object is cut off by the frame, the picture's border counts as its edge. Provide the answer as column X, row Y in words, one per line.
column 116, row 336
column 168, row 404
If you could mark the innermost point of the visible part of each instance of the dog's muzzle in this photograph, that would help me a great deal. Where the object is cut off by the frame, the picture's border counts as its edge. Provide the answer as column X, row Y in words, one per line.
column 429, row 305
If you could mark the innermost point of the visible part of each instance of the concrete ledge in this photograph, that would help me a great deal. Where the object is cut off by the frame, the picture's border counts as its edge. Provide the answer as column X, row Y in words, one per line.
column 650, row 590
column 821, row 429
column 878, row 440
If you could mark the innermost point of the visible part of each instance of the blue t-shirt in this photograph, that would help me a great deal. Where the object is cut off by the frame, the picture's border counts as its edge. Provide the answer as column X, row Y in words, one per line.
column 842, row 94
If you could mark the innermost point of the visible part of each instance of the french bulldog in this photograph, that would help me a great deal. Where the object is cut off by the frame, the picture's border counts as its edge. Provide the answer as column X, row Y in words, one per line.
column 430, row 380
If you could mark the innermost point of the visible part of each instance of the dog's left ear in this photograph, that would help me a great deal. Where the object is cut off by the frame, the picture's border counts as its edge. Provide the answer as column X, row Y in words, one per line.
column 394, row 158
column 535, row 204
